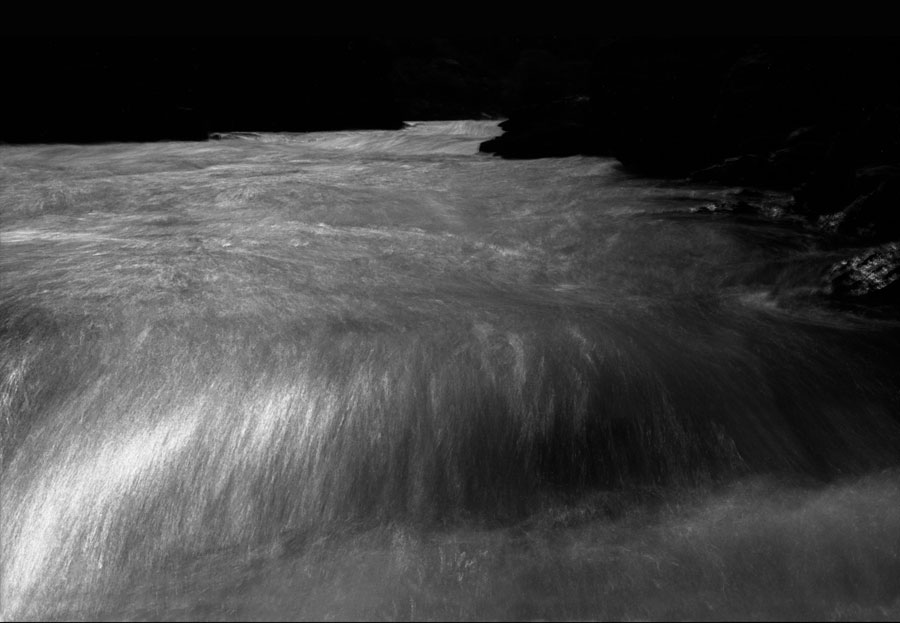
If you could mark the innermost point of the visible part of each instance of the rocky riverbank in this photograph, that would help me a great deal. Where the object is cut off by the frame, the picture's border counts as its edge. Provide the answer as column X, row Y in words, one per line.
column 818, row 117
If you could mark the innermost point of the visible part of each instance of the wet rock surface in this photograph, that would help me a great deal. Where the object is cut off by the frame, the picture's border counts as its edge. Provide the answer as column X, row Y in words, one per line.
column 871, row 276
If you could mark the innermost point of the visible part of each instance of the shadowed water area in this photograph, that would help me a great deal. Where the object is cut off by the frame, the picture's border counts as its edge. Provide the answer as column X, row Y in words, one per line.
column 379, row 375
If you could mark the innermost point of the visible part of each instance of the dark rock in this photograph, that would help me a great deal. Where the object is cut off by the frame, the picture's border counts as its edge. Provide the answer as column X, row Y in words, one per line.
column 547, row 96
column 451, row 84
column 802, row 152
column 871, row 177
column 551, row 139
column 487, row 77
column 547, row 80
column 774, row 88
column 749, row 169
column 801, row 113
column 557, row 129
column 654, row 101
column 827, row 190
column 866, row 143
column 747, row 201
column 874, row 215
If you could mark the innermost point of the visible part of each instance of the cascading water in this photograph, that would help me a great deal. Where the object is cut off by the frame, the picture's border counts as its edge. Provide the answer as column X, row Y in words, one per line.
column 380, row 375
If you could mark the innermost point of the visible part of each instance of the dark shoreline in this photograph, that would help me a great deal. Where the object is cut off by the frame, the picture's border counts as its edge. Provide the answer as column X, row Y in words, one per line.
column 818, row 117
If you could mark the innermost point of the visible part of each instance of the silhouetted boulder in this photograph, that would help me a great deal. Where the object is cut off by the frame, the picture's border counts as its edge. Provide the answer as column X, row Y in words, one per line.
column 875, row 213
column 748, row 169
column 550, row 139
column 786, row 112
column 557, row 129
column 803, row 151
column 654, row 101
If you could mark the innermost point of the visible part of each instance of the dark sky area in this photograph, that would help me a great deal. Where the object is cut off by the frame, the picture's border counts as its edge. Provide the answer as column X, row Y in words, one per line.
column 142, row 88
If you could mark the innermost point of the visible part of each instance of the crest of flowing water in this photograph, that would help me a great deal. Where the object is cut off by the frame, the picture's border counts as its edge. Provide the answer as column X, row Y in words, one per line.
column 380, row 375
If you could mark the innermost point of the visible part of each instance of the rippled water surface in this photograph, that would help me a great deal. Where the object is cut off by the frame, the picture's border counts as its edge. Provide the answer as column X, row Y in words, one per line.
column 380, row 375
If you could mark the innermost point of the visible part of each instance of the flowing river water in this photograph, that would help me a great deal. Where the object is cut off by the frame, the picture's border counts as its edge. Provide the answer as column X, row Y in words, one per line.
column 379, row 375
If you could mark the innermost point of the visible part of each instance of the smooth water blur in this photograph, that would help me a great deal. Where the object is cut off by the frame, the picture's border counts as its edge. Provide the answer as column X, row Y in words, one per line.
column 380, row 375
